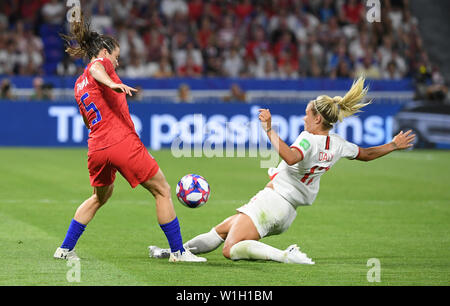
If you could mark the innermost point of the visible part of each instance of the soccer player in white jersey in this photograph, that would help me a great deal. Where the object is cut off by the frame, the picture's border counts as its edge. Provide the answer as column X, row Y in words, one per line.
column 295, row 182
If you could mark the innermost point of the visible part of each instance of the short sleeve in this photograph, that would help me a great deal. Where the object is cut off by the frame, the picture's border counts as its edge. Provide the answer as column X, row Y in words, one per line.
column 302, row 144
column 109, row 68
column 350, row 150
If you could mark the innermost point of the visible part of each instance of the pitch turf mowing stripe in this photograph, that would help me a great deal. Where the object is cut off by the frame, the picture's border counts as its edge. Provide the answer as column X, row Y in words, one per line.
column 26, row 258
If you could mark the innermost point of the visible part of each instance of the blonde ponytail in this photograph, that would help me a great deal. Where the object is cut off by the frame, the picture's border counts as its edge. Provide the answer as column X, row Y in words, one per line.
column 337, row 108
column 350, row 103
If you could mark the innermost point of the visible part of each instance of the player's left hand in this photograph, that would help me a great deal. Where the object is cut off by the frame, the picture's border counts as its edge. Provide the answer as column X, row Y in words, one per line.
column 266, row 118
column 123, row 88
column 403, row 140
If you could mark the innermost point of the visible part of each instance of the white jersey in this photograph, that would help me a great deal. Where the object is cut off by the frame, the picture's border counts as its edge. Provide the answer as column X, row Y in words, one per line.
column 299, row 183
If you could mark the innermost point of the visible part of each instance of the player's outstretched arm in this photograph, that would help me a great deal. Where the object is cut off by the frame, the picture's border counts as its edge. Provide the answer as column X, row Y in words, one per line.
column 290, row 156
column 401, row 141
column 99, row 73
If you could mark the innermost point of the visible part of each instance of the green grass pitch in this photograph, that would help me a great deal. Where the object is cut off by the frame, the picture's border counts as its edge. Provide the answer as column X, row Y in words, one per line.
column 395, row 209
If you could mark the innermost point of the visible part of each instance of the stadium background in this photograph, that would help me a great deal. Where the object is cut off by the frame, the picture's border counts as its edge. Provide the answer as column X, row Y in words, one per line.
column 224, row 60
column 181, row 53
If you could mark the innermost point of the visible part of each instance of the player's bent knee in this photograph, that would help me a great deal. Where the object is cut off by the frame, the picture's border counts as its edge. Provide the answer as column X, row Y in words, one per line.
column 158, row 186
column 102, row 196
column 162, row 190
column 98, row 201
column 226, row 252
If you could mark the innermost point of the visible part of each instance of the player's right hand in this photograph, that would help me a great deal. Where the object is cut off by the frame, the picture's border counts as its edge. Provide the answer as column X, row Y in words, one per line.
column 123, row 88
column 266, row 118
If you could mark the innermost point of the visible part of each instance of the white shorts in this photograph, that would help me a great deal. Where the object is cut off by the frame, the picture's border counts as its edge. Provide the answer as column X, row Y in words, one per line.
column 270, row 212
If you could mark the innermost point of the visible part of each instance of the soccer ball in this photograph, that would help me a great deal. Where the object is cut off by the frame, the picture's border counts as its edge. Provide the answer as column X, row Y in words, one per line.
column 193, row 190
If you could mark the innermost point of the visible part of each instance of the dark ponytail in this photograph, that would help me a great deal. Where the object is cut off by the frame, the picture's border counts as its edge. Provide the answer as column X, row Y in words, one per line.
column 82, row 42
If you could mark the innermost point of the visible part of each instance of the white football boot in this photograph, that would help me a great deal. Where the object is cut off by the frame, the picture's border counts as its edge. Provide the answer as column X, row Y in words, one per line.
column 295, row 256
column 61, row 253
column 185, row 256
column 157, row 252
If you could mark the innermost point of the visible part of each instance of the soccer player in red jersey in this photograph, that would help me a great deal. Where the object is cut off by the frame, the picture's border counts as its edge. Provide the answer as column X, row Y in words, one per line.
column 113, row 142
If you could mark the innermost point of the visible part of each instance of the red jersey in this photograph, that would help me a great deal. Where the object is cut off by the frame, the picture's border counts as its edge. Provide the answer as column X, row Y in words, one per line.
column 105, row 110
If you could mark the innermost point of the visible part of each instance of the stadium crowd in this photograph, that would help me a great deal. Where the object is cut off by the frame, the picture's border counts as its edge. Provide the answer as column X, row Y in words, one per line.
column 234, row 38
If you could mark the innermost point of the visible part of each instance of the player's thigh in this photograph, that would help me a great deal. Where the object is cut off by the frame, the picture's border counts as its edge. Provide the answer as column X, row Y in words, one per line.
column 157, row 185
column 133, row 161
column 241, row 229
column 101, row 173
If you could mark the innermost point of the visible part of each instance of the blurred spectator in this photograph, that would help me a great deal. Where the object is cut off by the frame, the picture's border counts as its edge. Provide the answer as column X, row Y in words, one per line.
column 287, row 65
column 236, row 94
column 184, row 94
column 121, row 10
column 53, row 12
column 430, row 84
column 66, row 67
column 391, row 72
column 343, row 70
column 131, row 43
column 41, row 91
column 353, row 11
column 257, row 44
column 6, row 90
column 33, row 61
column 340, row 54
column 357, row 48
column 195, row 8
column 25, row 10
column 170, row 7
column 326, row 11
column 214, row 67
column 395, row 15
column 265, row 67
column 189, row 69
column 137, row 68
column 368, row 68
column 164, row 69
column 437, row 89
column 4, row 58
column 204, row 33
column 102, row 16
column 233, row 64
column 330, row 33
column 315, row 48
column 243, row 9
column 188, row 50
column 284, row 45
column 212, row 10
column 400, row 63
column 227, row 32
column 154, row 43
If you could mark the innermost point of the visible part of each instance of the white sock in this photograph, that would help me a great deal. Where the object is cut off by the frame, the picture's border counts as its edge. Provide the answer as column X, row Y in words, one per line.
column 252, row 249
column 204, row 243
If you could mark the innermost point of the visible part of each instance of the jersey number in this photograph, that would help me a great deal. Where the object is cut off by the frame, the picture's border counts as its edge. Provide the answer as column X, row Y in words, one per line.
column 305, row 180
column 91, row 106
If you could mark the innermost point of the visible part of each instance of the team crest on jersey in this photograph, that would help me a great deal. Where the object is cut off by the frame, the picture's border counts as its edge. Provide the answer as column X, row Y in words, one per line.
column 305, row 144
